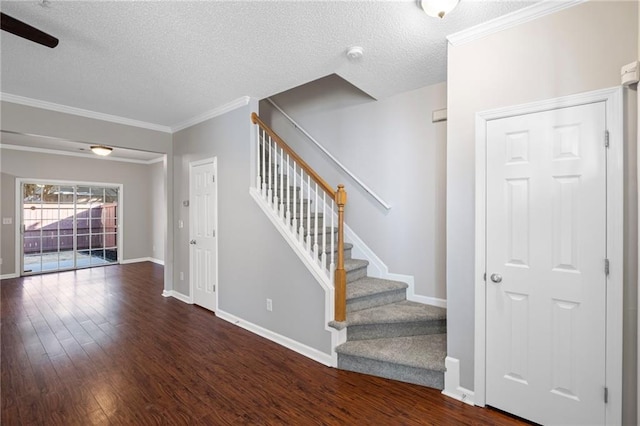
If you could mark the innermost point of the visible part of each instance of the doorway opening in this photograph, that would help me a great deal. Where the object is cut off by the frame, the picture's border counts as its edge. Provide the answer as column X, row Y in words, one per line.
column 68, row 225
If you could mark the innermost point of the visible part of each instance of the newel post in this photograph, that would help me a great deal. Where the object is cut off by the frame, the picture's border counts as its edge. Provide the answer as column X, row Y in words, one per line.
column 341, row 275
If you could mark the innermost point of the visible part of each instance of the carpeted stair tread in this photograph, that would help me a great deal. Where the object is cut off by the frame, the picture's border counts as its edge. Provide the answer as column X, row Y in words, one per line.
column 353, row 264
column 405, row 311
column 369, row 285
column 426, row 352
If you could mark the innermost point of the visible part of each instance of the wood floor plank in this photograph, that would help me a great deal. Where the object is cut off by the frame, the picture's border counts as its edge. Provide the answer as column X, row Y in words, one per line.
column 101, row 346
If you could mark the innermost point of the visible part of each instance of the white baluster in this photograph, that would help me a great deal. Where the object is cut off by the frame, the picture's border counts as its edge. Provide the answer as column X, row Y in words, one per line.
column 315, row 225
column 270, row 172
column 281, row 207
column 294, row 221
column 274, row 164
column 288, row 213
column 264, row 160
column 258, row 173
column 323, row 256
column 309, row 213
column 301, row 228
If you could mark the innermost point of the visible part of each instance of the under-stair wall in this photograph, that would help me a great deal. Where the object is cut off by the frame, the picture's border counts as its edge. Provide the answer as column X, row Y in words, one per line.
column 392, row 145
column 255, row 263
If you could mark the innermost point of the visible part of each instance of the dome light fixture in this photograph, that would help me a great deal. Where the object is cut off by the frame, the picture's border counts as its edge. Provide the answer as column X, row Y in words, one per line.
column 438, row 8
column 101, row 150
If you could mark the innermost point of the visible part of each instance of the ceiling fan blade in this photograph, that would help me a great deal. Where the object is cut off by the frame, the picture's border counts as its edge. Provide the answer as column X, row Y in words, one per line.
column 23, row 30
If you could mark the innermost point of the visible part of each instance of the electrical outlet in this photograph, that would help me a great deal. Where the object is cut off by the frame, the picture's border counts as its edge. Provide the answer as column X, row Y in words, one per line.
column 180, row 224
column 269, row 305
column 181, row 276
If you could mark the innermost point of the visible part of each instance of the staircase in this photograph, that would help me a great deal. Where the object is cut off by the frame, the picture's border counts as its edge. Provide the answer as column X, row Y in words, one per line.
column 386, row 334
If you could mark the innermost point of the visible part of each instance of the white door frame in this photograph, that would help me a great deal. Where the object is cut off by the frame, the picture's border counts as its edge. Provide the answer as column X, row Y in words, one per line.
column 193, row 164
column 18, row 223
column 613, row 99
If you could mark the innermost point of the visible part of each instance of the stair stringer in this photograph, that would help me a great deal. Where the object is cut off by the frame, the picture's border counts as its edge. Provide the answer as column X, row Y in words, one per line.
column 338, row 337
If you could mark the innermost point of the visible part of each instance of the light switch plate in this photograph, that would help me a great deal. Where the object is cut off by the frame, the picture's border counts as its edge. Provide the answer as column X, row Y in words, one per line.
column 7, row 220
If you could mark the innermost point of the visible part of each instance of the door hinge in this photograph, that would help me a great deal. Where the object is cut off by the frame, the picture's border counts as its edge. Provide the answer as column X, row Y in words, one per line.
column 214, row 233
column 606, row 139
column 214, row 287
column 484, row 277
column 606, row 395
column 606, row 266
column 213, row 177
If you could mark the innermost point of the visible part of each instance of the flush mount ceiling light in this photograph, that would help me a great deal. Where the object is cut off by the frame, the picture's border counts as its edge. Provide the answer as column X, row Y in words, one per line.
column 438, row 8
column 101, row 150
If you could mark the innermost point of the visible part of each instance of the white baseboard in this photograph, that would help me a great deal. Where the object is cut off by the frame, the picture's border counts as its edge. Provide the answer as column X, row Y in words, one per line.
column 138, row 260
column 142, row 259
column 452, row 386
column 378, row 269
column 181, row 297
column 433, row 301
column 288, row 343
column 9, row 276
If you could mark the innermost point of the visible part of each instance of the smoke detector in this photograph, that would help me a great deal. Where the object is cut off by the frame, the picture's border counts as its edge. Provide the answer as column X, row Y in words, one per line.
column 355, row 53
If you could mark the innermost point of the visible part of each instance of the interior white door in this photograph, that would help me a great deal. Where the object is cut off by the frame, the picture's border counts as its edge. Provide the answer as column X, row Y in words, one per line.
column 546, row 251
column 203, row 220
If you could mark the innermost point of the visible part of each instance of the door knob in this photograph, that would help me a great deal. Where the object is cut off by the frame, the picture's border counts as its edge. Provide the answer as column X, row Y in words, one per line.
column 192, row 242
column 496, row 278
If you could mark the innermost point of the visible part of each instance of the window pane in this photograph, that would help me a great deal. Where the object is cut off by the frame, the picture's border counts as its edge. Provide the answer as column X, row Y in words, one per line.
column 97, row 241
column 50, row 194
column 32, row 245
column 110, row 240
column 83, row 258
column 32, row 193
column 50, row 261
column 111, row 195
column 82, row 226
column 82, row 242
column 32, row 262
column 111, row 254
column 97, row 195
column 66, row 241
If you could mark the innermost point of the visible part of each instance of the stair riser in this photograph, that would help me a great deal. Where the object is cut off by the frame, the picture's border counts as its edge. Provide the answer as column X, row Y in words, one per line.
column 382, row 331
column 374, row 300
column 418, row 376
column 356, row 274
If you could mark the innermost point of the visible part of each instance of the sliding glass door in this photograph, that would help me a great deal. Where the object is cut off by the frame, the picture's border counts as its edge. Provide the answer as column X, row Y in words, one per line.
column 68, row 226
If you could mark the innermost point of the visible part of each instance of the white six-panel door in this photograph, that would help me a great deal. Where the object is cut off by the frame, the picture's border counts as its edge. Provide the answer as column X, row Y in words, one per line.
column 202, row 218
column 546, row 250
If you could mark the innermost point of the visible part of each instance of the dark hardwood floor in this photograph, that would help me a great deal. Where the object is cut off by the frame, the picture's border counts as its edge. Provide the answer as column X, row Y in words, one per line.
column 102, row 346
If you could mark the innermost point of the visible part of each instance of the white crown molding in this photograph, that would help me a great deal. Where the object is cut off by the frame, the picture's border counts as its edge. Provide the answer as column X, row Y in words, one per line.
column 535, row 11
column 36, row 103
column 75, row 154
column 223, row 109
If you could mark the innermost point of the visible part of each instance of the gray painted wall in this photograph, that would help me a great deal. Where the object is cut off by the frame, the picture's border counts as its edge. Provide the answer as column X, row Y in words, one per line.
column 577, row 50
column 255, row 262
column 157, row 186
column 137, row 199
column 395, row 149
column 41, row 122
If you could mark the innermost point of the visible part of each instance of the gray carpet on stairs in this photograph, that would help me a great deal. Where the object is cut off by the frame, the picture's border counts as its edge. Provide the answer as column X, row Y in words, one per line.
column 416, row 359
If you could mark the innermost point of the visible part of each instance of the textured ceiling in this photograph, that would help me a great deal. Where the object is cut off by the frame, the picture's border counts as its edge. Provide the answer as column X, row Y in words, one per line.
column 166, row 62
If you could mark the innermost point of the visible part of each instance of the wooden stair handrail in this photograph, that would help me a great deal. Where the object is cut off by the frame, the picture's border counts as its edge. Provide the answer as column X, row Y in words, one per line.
column 307, row 168
column 340, row 198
